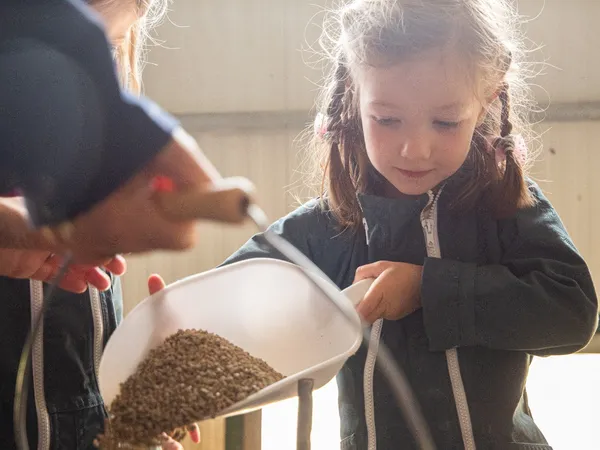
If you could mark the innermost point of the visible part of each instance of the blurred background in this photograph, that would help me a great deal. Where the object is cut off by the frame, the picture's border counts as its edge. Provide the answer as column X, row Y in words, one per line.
column 237, row 74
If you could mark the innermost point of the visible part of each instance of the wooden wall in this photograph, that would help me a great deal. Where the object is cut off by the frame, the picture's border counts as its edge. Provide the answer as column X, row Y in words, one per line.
column 566, row 170
column 225, row 57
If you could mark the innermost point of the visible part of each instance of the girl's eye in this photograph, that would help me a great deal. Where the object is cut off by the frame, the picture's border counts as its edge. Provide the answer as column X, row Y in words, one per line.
column 446, row 124
column 386, row 121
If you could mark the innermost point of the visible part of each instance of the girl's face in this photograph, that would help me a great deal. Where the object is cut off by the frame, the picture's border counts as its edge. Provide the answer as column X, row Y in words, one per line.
column 418, row 119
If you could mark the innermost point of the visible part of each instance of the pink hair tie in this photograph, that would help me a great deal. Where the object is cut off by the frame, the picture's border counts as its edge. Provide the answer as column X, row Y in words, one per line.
column 320, row 125
column 520, row 149
column 515, row 142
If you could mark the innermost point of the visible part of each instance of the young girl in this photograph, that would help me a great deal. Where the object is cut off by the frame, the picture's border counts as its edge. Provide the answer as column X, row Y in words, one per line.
column 426, row 193
column 65, row 408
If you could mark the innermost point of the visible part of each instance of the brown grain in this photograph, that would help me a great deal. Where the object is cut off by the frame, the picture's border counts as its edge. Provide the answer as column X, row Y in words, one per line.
column 193, row 375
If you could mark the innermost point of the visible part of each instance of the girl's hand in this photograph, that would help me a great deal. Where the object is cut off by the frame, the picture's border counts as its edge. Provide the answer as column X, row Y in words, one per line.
column 394, row 294
column 155, row 284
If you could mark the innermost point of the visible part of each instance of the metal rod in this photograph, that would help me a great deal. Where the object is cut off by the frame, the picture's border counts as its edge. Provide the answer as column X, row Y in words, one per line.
column 305, row 411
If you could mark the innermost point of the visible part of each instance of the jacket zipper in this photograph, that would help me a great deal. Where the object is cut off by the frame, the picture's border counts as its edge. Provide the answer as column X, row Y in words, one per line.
column 430, row 229
column 369, row 373
column 37, row 364
column 96, row 306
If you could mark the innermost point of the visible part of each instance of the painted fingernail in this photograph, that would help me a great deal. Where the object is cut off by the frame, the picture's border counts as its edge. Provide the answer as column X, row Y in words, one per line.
column 163, row 184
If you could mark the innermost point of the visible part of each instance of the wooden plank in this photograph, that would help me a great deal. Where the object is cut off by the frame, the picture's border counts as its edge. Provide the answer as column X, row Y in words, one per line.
column 244, row 432
column 566, row 155
column 253, row 431
column 592, row 253
column 225, row 55
column 234, row 433
column 212, row 434
column 232, row 55
column 262, row 156
column 276, row 120
column 568, row 73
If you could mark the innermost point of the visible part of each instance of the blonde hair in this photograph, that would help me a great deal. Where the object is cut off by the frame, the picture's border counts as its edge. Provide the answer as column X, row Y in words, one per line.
column 384, row 32
column 130, row 53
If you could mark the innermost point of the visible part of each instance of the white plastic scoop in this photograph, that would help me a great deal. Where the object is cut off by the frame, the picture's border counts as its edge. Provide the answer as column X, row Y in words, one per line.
column 267, row 307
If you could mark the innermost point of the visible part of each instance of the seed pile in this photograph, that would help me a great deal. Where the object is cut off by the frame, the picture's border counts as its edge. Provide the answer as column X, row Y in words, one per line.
column 193, row 375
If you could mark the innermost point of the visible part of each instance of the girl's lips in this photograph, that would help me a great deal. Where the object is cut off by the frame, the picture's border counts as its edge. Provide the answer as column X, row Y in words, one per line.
column 413, row 173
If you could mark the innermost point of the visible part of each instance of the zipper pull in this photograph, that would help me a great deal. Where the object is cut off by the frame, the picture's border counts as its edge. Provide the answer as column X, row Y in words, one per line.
column 366, row 226
column 429, row 235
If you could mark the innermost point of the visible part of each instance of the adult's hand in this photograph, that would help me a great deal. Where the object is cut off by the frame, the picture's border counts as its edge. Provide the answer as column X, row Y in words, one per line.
column 129, row 220
column 44, row 266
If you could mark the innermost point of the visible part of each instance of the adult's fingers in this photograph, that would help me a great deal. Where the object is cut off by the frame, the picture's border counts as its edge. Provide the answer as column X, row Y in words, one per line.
column 117, row 265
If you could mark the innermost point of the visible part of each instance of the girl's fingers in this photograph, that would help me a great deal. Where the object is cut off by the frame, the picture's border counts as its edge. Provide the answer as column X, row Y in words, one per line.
column 155, row 284
column 369, row 308
column 370, row 271
column 169, row 443
column 194, row 431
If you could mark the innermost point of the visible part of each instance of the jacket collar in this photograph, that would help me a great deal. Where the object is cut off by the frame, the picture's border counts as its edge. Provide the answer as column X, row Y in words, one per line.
column 386, row 219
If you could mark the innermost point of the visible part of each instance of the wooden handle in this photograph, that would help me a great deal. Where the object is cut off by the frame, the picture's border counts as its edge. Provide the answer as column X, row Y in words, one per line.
column 228, row 202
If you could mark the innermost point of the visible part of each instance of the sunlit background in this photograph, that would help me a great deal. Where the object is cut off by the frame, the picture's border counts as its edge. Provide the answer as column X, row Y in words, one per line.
column 564, row 394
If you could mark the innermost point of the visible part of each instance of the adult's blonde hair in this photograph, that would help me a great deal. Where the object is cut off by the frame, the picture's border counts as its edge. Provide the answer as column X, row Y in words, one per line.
column 483, row 33
column 130, row 53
